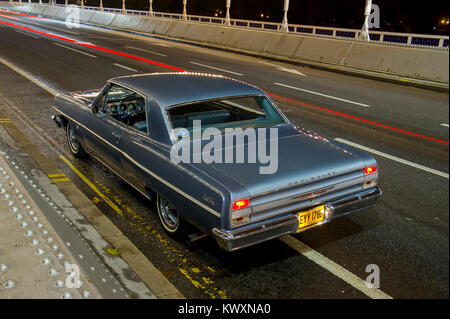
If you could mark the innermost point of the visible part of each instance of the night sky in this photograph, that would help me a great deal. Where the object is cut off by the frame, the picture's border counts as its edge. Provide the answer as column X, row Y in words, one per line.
column 396, row 15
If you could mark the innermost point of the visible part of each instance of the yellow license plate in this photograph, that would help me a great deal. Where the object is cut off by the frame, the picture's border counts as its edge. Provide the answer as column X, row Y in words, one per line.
column 310, row 217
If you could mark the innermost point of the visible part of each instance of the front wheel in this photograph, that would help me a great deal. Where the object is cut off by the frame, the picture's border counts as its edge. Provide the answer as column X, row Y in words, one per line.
column 74, row 145
column 169, row 217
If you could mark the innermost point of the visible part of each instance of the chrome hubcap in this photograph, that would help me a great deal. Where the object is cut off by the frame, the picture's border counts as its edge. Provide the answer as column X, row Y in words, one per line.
column 168, row 214
column 73, row 140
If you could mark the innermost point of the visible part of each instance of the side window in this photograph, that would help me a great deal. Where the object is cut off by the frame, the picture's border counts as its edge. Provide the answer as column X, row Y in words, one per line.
column 125, row 106
column 100, row 102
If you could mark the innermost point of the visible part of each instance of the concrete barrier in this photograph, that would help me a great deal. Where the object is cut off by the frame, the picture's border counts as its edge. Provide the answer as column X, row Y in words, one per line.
column 123, row 22
column 193, row 32
column 283, row 45
column 248, row 40
column 101, row 18
column 405, row 61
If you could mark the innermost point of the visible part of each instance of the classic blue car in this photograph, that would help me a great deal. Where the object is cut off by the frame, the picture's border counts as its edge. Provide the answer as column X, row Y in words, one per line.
column 134, row 122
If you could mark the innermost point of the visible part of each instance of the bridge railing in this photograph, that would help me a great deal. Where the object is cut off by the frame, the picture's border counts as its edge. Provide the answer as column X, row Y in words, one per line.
column 432, row 41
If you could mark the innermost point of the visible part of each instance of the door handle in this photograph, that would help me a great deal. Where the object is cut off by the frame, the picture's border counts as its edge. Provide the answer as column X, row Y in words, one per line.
column 116, row 134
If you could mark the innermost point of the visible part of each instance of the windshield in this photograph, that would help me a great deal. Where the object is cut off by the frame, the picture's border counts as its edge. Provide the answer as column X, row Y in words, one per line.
column 244, row 112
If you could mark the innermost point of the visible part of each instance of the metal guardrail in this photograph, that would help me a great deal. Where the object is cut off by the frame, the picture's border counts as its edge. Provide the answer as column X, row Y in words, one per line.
column 432, row 41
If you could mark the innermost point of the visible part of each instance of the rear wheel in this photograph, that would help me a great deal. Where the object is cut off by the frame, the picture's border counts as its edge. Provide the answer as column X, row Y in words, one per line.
column 169, row 217
column 74, row 145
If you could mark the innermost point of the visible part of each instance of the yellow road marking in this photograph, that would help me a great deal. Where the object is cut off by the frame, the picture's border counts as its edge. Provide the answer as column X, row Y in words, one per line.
column 96, row 200
column 91, row 185
column 56, row 180
column 143, row 228
column 56, row 175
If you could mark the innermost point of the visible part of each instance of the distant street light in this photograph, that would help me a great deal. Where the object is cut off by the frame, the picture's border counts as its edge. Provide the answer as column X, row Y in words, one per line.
column 364, row 36
column 227, row 17
column 124, row 10
column 284, row 24
column 66, row 3
column 101, row 5
column 150, row 10
column 184, row 10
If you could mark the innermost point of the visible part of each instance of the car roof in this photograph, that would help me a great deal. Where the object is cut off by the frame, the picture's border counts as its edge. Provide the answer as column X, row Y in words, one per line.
column 169, row 89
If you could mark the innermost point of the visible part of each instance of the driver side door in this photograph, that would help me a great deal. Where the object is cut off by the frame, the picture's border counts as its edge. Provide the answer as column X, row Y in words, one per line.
column 104, row 137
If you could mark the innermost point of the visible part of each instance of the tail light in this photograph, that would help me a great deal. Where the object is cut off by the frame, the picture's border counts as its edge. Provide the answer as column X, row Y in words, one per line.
column 241, row 204
column 240, row 213
column 370, row 176
column 370, row 170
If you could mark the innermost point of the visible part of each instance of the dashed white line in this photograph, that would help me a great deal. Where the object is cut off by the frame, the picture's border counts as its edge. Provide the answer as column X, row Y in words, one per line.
column 160, row 44
column 27, row 34
column 321, row 94
column 214, row 68
column 334, row 268
column 394, row 158
column 75, row 50
column 143, row 50
column 124, row 67
column 281, row 68
column 443, row 124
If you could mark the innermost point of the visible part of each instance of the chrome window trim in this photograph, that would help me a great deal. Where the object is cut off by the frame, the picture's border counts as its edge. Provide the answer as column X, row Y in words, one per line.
column 169, row 125
column 132, row 129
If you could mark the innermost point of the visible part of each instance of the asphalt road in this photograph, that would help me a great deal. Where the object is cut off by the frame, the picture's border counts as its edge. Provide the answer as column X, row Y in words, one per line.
column 406, row 235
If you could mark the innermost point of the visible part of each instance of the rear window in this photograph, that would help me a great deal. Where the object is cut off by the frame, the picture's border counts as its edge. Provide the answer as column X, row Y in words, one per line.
column 245, row 112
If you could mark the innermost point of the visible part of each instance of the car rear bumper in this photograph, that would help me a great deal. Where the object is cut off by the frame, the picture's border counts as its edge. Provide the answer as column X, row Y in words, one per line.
column 252, row 234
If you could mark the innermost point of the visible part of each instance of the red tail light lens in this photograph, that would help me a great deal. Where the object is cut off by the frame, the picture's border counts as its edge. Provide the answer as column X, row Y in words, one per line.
column 241, row 204
column 370, row 170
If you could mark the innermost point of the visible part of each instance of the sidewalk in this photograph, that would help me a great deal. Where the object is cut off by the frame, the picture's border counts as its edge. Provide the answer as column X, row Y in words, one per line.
column 42, row 253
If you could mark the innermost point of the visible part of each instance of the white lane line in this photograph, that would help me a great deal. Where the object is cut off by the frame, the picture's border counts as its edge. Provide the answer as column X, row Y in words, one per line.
column 281, row 68
column 143, row 50
column 124, row 67
column 75, row 50
column 29, row 77
column 27, row 34
column 443, row 124
column 321, row 94
column 214, row 68
column 334, row 268
column 160, row 44
column 394, row 158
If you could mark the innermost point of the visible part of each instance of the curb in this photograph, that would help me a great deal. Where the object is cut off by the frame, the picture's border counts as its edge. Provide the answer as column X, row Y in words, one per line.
column 159, row 285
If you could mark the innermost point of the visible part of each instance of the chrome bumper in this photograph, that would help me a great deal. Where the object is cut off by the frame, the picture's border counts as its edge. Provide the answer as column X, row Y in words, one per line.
column 232, row 240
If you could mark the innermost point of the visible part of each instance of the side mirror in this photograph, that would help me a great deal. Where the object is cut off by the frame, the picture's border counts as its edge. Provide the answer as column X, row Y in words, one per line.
column 94, row 109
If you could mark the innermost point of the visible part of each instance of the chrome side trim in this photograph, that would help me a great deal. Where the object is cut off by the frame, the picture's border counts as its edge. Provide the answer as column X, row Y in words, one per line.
column 182, row 168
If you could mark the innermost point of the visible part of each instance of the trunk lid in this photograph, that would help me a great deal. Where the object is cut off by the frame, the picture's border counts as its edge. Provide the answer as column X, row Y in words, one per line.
column 302, row 158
